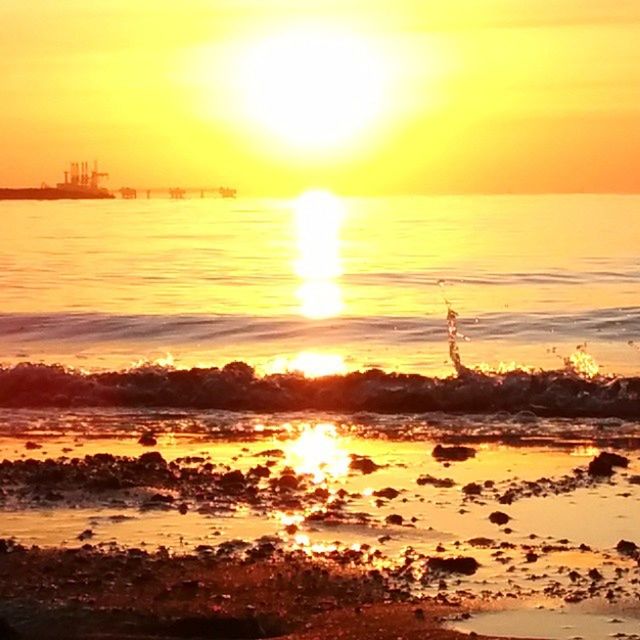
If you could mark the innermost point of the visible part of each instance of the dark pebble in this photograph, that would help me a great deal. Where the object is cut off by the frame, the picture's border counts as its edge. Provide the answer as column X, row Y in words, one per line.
column 455, row 453
column 499, row 518
column 464, row 565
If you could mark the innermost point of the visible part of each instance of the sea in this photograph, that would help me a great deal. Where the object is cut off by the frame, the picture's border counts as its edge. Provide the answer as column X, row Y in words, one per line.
column 321, row 283
column 204, row 374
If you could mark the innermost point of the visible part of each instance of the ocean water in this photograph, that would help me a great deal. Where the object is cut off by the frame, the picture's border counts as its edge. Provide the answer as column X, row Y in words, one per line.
column 117, row 319
column 349, row 283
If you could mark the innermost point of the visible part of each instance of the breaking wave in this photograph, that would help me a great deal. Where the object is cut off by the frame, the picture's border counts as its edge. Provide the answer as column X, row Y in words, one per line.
column 237, row 387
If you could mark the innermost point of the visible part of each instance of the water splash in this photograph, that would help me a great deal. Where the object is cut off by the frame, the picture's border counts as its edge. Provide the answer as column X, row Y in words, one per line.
column 502, row 368
column 582, row 363
column 453, row 334
column 165, row 362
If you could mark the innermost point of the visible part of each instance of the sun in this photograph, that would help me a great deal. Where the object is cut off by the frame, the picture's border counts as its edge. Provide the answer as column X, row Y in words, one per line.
column 314, row 87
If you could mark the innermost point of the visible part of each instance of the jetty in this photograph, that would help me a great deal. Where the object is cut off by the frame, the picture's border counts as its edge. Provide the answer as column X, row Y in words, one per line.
column 82, row 184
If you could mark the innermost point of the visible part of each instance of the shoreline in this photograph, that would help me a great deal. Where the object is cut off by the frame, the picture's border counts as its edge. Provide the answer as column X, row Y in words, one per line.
column 237, row 387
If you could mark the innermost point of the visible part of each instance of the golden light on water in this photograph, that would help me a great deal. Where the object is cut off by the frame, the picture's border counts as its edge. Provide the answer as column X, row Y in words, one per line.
column 310, row 363
column 320, row 300
column 318, row 451
column 289, row 519
column 587, row 451
column 318, row 218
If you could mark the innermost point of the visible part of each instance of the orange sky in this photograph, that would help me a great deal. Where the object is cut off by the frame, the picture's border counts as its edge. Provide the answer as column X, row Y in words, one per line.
column 491, row 96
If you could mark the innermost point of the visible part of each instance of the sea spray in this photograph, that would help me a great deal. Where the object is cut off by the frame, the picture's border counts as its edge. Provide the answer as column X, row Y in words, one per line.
column 453, row 334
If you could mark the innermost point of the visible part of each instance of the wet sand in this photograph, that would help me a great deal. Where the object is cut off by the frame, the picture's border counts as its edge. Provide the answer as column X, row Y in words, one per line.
column 310, row 528
column 126, row 594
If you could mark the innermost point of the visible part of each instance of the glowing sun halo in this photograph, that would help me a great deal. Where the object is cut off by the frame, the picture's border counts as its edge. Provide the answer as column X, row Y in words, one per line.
column 312, row 87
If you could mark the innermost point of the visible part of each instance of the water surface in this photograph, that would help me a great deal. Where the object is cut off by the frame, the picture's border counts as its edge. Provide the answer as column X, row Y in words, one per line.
column 105, row 284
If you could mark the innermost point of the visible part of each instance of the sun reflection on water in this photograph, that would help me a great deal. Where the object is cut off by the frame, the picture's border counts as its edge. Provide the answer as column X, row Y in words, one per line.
column 587, row 451
column 309, row 363
column 319, row 216
column 318, row 451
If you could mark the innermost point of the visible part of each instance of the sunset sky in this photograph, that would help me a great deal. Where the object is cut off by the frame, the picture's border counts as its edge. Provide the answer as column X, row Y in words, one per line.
column 358, row 96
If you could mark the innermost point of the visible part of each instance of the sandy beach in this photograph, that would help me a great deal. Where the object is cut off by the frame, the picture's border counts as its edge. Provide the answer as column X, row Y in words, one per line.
column 316, row 529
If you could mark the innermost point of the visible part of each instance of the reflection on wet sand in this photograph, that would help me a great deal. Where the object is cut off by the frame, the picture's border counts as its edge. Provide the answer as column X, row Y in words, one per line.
column 463, row 513
column 318, row 451
column 330, row 493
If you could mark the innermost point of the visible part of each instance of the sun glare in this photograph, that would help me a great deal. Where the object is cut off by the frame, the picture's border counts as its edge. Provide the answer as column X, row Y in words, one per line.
column 318, row 451
column 319, row 217
column 311, row 364
column 314, row 87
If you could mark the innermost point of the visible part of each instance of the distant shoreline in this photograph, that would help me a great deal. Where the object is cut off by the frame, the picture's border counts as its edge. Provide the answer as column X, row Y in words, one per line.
column 49, row 193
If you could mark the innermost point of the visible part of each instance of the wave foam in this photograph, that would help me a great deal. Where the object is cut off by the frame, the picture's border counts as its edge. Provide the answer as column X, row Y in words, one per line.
column 237, row 387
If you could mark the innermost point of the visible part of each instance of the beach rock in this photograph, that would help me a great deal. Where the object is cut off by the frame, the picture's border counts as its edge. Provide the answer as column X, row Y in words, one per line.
column 85, row 535
column 499, row 518
column 634, row 480
column 147, row 439
column 481, row 542
column 453, row 454
column 288, row 482
column 507, row 497
column 441, row 483
column 472, row 489
column 465, row 565
column 627, row 548
column 32, row 446
column 363, row 464
column 232, row 478
column 395, row 519
column 604, row 463
column 260, row 471
column 152, row 459
column 322, row 493
column 389, row 493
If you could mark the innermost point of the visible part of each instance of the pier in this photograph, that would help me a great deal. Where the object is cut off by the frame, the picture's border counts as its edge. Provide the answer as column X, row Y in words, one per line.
column 177, row 193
